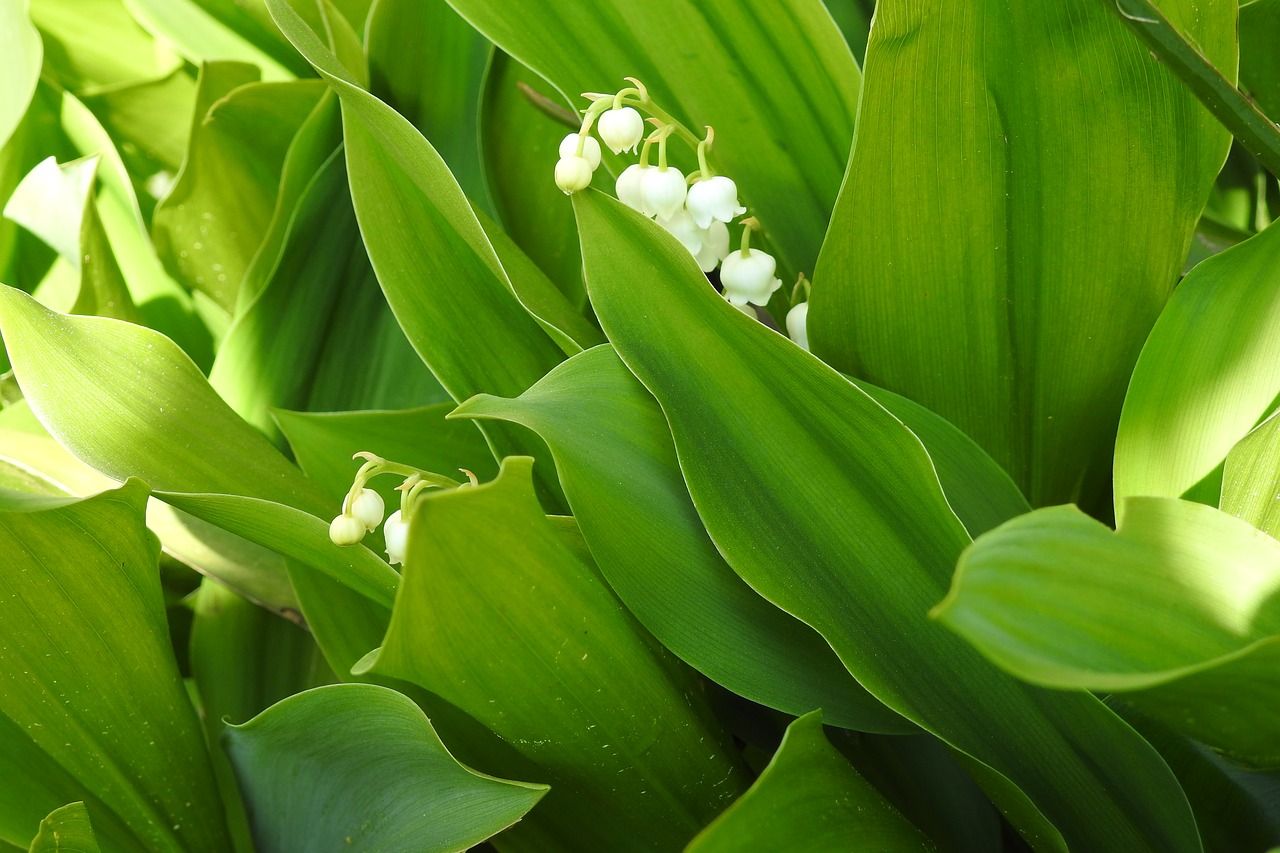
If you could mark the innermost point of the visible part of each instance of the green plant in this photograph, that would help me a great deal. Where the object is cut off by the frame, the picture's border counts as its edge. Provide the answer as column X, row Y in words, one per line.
column 247, row 242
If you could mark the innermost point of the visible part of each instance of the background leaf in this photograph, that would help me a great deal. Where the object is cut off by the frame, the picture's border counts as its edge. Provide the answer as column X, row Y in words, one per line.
column 66, row 830
column 1251, row 478
column 22, row 54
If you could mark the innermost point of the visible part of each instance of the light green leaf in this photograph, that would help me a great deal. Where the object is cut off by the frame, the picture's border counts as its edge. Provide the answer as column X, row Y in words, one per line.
column 92, row 707
column 638, row 760
column 200, row 37
column 355, row 766
column 92, row 45
column 1207, row 374
column 1030, row 137
column 20, row 56
column 619, row 470
column 830, row 508
column 809, row 799
column 1251, row 478
column 782, row 102
column 66, row 830
column 1175, row 609
column 212, row 222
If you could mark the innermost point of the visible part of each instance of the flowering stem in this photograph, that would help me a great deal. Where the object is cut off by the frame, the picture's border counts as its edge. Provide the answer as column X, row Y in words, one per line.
column 703, row 168
column 748, row 225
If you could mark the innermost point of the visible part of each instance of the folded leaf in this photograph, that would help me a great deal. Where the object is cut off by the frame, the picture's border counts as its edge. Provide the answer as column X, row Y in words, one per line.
column 1175, row 610
column 66, row 830
column 1251, row 478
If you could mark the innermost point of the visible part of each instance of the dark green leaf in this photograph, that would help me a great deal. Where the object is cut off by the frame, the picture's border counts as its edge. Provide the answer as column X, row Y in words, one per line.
column 1259, row 60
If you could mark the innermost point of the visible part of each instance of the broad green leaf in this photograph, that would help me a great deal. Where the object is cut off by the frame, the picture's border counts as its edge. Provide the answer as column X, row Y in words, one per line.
column 57, row 203
column 91, row 45
column 92, row 707
column 250, row 20
column 356, row 766
column 1175, row 610
column 830, row 508
column 809, row 799
column 324, row 443
column 211, row 223
column 66, row 830
column 20, row 56
column 200, row 37
column 1207, row 374
column 638, row 759
column 430, row 65
column 150, row 122
column 1251, row 478
column 518, row 141
column 619, row 470
column 1259, row 60
column 1212, row 83
column 782, row 101
column 1000, row 296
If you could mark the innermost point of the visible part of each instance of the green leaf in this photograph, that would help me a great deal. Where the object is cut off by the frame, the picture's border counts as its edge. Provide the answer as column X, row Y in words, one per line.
column 20, row 56
column 619, row 470
column 212, row 222
column 92, row 707
column 830, row 508
column 782, row 103
column 809, row 799
column 1216, row 91
column 1207, row 374
column 639, row 761
column 1175, row 610
column 356, row 766
column 1251, row 478
column 200, row 37
column 1022, row 325
column 66, row 830
column 1259, row 61
column 92, row 45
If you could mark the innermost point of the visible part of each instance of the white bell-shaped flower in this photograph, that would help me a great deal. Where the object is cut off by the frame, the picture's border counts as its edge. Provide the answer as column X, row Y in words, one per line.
column 714, row 199
column 662, row 192
column 749, row 277
column 798, row 325
column 628, row 186
column 590, row 149
column 368, row 507
column 573, row 173
column 715, row 246
column 621, row 128
column 346, row 530
column 684, row 229
column 396, row 534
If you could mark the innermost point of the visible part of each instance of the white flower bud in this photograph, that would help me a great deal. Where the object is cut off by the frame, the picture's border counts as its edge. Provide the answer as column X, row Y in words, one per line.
column 628, row 186
column 346, row 530
column 714, row 198
column 749, row 278
column 798, row 325
column 573, row 174
column 368, row 507
column 683, row 228
column 590, row 149
column 621, row 129
column 715, row 246
column 396, row 534
column 662, row 192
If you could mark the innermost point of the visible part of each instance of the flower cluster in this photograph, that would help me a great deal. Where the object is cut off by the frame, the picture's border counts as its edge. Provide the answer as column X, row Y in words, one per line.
column 697, row 215
column 363, row 508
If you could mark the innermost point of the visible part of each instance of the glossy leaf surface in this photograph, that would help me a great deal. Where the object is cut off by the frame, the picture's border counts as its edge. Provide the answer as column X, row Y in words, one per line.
column 1251, row 478
column 829, row 507
column 66, row 830
column 1056, row 132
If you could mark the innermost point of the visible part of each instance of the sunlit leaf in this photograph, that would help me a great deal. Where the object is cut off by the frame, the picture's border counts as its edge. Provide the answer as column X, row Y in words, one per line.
column 66, row 830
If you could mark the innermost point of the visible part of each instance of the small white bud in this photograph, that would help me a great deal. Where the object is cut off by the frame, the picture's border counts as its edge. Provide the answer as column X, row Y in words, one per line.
column 621, row 129
column 662, row 192
column 798, row 325
column 715, row 246
column 368, row 507
column 683, row 228
column 573, row 174
column 715, row 198
column 396, row 534
column 628, row 186
column 749, row 278
column 346, row 530
column 590, row 149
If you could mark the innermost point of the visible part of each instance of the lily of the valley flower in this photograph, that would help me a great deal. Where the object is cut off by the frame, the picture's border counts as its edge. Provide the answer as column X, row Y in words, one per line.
column 573, row 173
column 714, row 198
column 621, row 128
column 396, row 534
column 590, row 148
column 747, row 275
column 683, row 228
column 798, row 325
column 628, row 186
column 662, row 192
column 715, row 246
column 346, row 529
column 368, row 507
